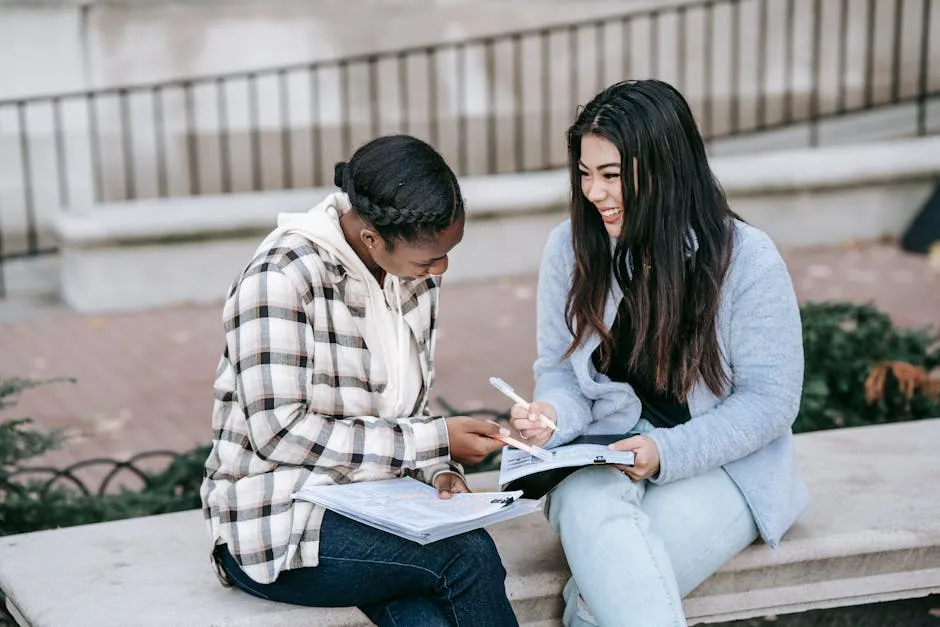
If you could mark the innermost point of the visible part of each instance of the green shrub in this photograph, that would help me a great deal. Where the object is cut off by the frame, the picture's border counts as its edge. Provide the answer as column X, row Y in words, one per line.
column 842, row 343
column 35, row 504
column 16, row 442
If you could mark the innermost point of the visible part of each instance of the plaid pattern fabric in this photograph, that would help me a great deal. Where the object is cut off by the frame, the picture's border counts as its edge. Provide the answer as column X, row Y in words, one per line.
column 295, row 401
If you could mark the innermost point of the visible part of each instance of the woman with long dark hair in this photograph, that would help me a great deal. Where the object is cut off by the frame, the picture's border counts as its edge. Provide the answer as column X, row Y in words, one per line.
column 671, row 326
column 325, row 378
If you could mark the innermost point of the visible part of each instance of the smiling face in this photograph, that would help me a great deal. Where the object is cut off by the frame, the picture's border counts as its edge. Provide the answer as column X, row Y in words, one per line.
column 410, row 260
column 600, row 166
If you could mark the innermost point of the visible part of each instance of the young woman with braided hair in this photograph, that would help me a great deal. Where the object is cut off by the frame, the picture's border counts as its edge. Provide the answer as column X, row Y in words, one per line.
column 325, row 377
column 670, row 326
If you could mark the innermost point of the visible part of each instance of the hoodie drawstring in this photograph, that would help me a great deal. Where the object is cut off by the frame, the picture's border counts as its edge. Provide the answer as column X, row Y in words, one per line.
column 404, row 346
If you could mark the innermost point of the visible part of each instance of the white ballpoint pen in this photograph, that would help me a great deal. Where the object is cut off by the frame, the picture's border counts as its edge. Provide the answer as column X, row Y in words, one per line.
column 534, row 451
column 503, row 387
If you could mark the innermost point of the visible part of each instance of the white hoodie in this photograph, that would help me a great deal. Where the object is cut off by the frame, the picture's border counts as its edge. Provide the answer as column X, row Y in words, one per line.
column 392, row 346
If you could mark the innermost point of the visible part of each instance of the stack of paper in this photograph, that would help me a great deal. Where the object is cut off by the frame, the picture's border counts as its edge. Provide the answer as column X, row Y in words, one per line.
column 411, row 509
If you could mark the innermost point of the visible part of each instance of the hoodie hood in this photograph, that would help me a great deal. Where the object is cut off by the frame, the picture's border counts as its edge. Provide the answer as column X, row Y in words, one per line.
column 391, row 344
column 321, row 226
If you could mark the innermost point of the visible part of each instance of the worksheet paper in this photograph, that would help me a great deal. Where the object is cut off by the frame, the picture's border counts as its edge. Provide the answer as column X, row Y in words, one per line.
column 412, row 509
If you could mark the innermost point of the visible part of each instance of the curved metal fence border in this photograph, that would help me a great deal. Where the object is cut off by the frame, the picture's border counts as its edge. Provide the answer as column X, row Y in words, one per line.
column 68, row 473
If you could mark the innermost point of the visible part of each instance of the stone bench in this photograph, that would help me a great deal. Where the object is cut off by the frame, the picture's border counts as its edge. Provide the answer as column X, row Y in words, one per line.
column 871, row 534
column 173, row 251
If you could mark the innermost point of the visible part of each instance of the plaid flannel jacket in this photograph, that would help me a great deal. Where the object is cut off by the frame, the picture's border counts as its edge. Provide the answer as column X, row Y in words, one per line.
column 295, row 401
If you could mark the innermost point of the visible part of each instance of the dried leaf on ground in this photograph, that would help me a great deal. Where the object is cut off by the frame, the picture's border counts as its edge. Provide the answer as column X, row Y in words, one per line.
column 910, row 378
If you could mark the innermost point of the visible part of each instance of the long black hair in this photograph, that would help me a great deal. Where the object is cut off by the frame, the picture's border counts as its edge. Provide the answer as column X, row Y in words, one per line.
column 402, row 187
column 674, row 247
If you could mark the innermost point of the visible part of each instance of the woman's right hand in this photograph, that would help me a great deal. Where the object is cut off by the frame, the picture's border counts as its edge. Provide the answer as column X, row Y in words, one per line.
column 472, row 439
column 526, row 421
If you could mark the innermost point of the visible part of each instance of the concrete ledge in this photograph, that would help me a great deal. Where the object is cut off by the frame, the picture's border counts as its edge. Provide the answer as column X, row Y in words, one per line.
column 202, row 218
column 885, row 162
column 187, row 250
column 870, row 535
column 168, row 252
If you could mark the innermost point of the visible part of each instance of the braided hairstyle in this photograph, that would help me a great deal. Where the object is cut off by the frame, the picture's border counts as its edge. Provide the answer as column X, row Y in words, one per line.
column 402, row 187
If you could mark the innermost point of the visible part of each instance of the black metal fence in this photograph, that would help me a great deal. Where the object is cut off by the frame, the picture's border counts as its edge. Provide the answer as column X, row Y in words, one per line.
column 97, row 476
column 492, row 104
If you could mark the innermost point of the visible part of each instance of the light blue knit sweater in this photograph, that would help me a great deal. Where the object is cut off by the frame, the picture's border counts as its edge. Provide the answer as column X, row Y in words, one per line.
column 748, row 432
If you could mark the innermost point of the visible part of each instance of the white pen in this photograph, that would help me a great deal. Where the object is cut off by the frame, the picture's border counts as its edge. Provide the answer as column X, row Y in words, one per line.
column 534, row 451
column 503, row 387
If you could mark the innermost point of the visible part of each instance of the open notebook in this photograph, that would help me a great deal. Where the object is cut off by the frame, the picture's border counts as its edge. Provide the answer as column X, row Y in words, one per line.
column 411, row 509
column 520, row 471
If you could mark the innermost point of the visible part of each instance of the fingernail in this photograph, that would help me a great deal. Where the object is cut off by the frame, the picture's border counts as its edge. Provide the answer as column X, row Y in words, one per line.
column 504, row 431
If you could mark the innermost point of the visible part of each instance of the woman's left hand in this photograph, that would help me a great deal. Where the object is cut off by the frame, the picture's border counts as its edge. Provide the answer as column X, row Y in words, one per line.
column 646, row 464
column 448, row 483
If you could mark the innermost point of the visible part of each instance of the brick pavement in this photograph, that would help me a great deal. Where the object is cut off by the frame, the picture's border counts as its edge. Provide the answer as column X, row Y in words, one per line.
column 144, row 379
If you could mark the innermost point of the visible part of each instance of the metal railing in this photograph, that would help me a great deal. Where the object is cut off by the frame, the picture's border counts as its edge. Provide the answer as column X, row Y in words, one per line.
column 97, row 476
column 490, row 104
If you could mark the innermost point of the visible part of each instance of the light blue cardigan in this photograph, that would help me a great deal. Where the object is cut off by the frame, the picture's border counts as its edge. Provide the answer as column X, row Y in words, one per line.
column 748, row 432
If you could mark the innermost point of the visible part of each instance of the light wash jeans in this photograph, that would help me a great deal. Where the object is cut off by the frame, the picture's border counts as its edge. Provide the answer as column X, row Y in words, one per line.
column 635, row 549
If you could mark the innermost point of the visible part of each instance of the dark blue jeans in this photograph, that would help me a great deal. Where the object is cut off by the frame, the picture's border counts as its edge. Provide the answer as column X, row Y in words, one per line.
column 395, row 582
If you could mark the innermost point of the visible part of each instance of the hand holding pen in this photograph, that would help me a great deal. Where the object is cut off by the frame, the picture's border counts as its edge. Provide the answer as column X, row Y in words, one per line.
column 535, row 421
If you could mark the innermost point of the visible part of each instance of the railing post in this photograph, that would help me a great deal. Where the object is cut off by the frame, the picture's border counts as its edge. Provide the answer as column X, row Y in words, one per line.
column 344, row 113
column 843, row 56
column 94, row 148
column 403, row 93
column 463, row 140
column 734, row 97
column 518, row 102
column 127, row 145
column 431, row 57
column 374, row 110
column 546, row 79
column 61, row 169
column 870, row 54
column 287, row 164
column 788, row 64
column 896, row 52
column 192, row 144
column 225, row 168
column 681, row 53
column 761, row 115
column 255, row 132
column 32, row 234
column 316, row 139
column 816, row 60
column 490, row 54
column 924, row 74
column 708, row 93
column 159, row 132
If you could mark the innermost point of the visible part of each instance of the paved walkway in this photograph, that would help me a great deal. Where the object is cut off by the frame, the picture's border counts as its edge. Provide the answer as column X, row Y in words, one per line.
column 144, row 379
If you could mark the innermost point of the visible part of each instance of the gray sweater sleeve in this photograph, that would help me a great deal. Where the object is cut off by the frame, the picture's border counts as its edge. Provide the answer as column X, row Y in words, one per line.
column 766, row 355
column 555, row 380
